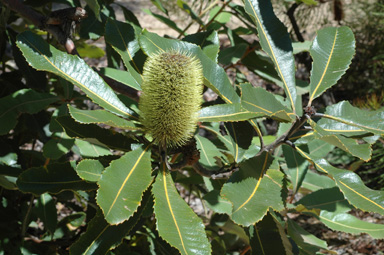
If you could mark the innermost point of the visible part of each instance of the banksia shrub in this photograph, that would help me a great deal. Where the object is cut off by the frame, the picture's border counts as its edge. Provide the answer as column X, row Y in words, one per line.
column 171, row 99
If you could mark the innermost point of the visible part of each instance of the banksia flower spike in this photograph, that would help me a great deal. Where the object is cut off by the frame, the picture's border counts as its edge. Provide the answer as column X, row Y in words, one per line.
column 171, row 98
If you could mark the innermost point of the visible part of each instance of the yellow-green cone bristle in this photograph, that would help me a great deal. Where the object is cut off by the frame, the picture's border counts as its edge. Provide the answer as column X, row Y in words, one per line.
column 171, row 98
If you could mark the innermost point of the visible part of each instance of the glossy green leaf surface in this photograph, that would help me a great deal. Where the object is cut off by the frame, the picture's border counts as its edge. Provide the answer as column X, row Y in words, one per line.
column 308, row 243
column 263, row 103
column 46, row 211
column 253, row 190
column 52, row 178
column 92, row 149
column 43, row 56
column 124, row 40
column 57, row 146
column 352, row 186
column 345, row 118
column 208, row 42
column 269, row 237
column 214, row 201
column 350, row 145
column 121, row 76
column 332, row 52
column 226, row 112
column 101, row 237
column 24, row 100
column 176, row 222
column 350, row 224
column 100, row 116
column 122, row 185
column 297, row 167
column 95, row 134
column 215, row 75
column 315, row 181
column 275, row 41
column 208, row 153
column 90, row 170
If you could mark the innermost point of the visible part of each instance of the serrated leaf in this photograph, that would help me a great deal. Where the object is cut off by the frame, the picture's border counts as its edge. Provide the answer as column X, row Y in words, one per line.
column 22, row 101
column 100, row 237
column 121, row 76
column 275, row 41
column 328, row 199
column 332, row 52
column 297, row 167
column 350, row 145
column 350, row 224
column 100, row 117
column 123, row 38
column 225, row 112
column 215, row 76
column 268, row 237
column 208, row 153
column 344, row 118
column 90, row 169
column 95, row 134
column 53, row 178
column 92, row 150
column 307, row 242
column 176, row 222
column 253, row 190
column 241, row 134
column 264, row 103
column 351, row 185
column 46, row 211
column 43, row 56
column 217, row 203
column 123, row 183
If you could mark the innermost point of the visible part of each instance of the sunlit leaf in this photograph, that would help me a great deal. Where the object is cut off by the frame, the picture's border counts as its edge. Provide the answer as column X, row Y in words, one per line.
column 92, row 150
column 58, row 145
column 208, row 42
column 122, row 185
column 226, row 112
column 332, row 52
column 121, row 76
column 208, row 153
column 253, row 190
column 217, row 203
column 90, row 169
column 275, row 41
column 176, row 222
column 43, row 56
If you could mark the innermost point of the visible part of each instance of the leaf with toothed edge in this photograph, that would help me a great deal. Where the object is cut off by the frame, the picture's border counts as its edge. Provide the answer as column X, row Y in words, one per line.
column 176, row 222
column 42, row 56
column 122, row 185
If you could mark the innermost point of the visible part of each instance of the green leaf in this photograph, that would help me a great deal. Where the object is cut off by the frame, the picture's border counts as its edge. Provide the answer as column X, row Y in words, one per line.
column 314, row 181
column 352, row 186
column 43, row 56
column 101, row 237
column 222, row 17
column 176, row 222
column 121, row 76
column 90, row 51
column 122, row 185
column 209, row 153
column 217, row 203
column 123, row 38
column 226, row 112
column 331, row 200
column 95, row 134
column 46, row 211
column 241, row 134
column 297, row 167
column 100, row 117
column 253, row 190
column 350, row 224
column 269, row 237
column 215, row 76
column 299, row 47
column 185, row 7
column 345, row 119
column 57, row 146
column 22, row 101
column 90, row 170
column 232, row 54
column 275, row 41
column 332, row 52
column 308, row 243
column 363, row 151
column 159, row 6
column 53, row 178
column 165, row 20
column 94, row 6
column 264, row 103
column 208, row 42
column 93, row 26
column 92, row 150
